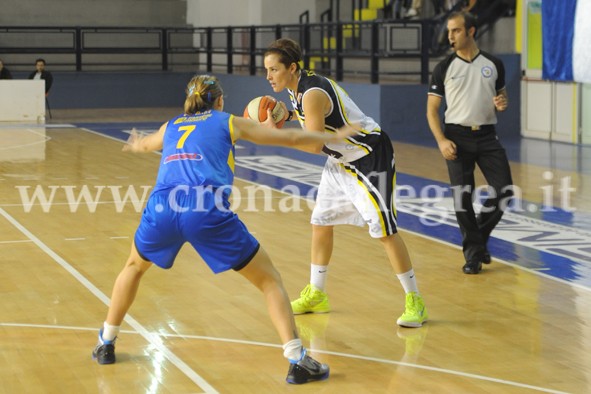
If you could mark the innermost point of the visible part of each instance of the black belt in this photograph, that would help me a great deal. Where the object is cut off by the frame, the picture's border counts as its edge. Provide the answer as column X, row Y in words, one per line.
column 484, row 127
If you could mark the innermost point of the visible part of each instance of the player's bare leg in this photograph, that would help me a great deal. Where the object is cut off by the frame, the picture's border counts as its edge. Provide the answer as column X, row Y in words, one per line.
column 322, row 244
column 123, row 295
column 126, row 286
column 261, row 272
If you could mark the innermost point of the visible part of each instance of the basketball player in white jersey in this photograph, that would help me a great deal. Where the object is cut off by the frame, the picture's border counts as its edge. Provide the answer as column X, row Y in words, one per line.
column 358, row 180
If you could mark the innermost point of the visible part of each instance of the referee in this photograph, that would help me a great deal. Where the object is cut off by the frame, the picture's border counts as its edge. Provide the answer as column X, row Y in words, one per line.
column 473, row 85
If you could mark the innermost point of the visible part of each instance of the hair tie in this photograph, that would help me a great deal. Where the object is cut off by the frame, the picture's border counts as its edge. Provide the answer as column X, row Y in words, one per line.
column 209, row 96
column 197, row 94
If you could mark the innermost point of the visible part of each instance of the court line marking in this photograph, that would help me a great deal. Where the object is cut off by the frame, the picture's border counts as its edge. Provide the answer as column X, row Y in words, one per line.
column 42, row 141
column 513, row 228
column 16, row 241
column 338, row 354
column 18, row 125
column 153, row 339
column 535, row 271
column 408, row 231
column 458, row 247
column 36, row 125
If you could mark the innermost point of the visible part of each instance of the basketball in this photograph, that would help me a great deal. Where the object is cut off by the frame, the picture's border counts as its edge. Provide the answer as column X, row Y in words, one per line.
column 257, row 110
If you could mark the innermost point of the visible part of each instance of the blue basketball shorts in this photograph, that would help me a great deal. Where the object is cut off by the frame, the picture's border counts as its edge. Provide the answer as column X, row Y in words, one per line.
column 199, row 216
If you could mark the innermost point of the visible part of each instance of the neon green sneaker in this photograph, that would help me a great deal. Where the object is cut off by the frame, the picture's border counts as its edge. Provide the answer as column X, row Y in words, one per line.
column 311, row 300
column 415, row 313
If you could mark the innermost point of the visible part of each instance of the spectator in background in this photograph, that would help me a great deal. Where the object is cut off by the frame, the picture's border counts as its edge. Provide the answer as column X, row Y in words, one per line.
column 4, row 72
column 487, row 12
column 41, row 73
column 415, row 9
column 405, row 8
column 442, row 7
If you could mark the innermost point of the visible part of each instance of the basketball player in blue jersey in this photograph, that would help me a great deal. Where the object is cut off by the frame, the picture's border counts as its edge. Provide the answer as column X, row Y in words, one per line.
column 357, row 183
column 189, row 203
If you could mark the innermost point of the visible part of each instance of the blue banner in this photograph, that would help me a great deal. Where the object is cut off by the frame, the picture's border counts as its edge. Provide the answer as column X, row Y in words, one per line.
column 566, row 40
column 558, row 30
column 582, row 42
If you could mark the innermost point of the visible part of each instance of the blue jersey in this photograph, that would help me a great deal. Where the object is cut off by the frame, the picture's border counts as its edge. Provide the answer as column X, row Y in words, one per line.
column 197, row 160
column 198, row 151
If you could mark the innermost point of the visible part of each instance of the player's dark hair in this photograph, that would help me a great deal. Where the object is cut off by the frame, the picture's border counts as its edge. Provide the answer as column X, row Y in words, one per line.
column 202, row 92
column 288, row 50
column 469, row 20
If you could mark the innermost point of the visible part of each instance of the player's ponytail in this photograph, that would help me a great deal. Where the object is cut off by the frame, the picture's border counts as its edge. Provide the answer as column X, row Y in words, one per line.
column 202, row 92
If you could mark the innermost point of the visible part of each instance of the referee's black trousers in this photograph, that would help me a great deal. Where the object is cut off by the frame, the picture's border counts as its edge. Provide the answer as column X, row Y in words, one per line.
column 478, row 147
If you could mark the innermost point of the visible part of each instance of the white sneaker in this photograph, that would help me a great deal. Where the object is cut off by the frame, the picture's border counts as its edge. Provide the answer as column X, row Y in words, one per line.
column 410, row 13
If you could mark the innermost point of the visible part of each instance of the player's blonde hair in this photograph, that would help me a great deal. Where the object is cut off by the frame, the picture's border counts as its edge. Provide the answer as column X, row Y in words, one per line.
column 202, row 92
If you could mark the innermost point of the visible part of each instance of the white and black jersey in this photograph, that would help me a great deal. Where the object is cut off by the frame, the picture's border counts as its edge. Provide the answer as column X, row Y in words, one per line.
column 469, row 88
column 343, row 111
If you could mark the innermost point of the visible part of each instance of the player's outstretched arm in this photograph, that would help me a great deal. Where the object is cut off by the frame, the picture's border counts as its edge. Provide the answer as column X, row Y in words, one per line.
column 252, row 131
column 145, row 143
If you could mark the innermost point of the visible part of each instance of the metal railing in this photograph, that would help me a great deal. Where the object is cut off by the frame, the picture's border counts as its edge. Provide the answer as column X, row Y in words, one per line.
column 373, row 49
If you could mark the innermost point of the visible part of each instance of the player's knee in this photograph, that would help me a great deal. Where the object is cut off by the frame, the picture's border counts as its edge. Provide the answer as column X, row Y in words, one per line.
column 269, row 277
column 137, row 263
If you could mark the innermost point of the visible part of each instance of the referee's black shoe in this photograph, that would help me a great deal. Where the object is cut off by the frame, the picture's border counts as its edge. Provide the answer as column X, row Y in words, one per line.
column 472, row 267
column 486, row 257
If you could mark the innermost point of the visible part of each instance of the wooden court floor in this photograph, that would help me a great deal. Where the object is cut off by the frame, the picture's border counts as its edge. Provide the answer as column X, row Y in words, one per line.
column 190, row 331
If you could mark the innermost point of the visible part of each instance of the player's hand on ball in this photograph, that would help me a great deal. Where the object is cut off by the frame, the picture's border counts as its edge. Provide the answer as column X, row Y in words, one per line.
column 285, row 110
column 258, row 110
column 269, row 121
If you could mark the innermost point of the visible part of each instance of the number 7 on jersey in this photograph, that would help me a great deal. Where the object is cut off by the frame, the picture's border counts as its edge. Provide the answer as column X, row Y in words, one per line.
column 187, row 130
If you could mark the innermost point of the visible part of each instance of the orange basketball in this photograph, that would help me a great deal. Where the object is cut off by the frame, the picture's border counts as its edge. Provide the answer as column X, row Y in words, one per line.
column 257, row 110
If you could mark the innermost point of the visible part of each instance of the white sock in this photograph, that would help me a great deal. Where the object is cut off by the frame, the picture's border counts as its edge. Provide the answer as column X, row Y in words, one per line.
column 408, row 281
column 109, row 332
column 318, row 275
column 292, row 350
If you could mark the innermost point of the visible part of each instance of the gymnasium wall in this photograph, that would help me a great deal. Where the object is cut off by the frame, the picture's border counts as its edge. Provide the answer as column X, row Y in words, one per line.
column 93, row 13
column 250, row 12
column 400, row 109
